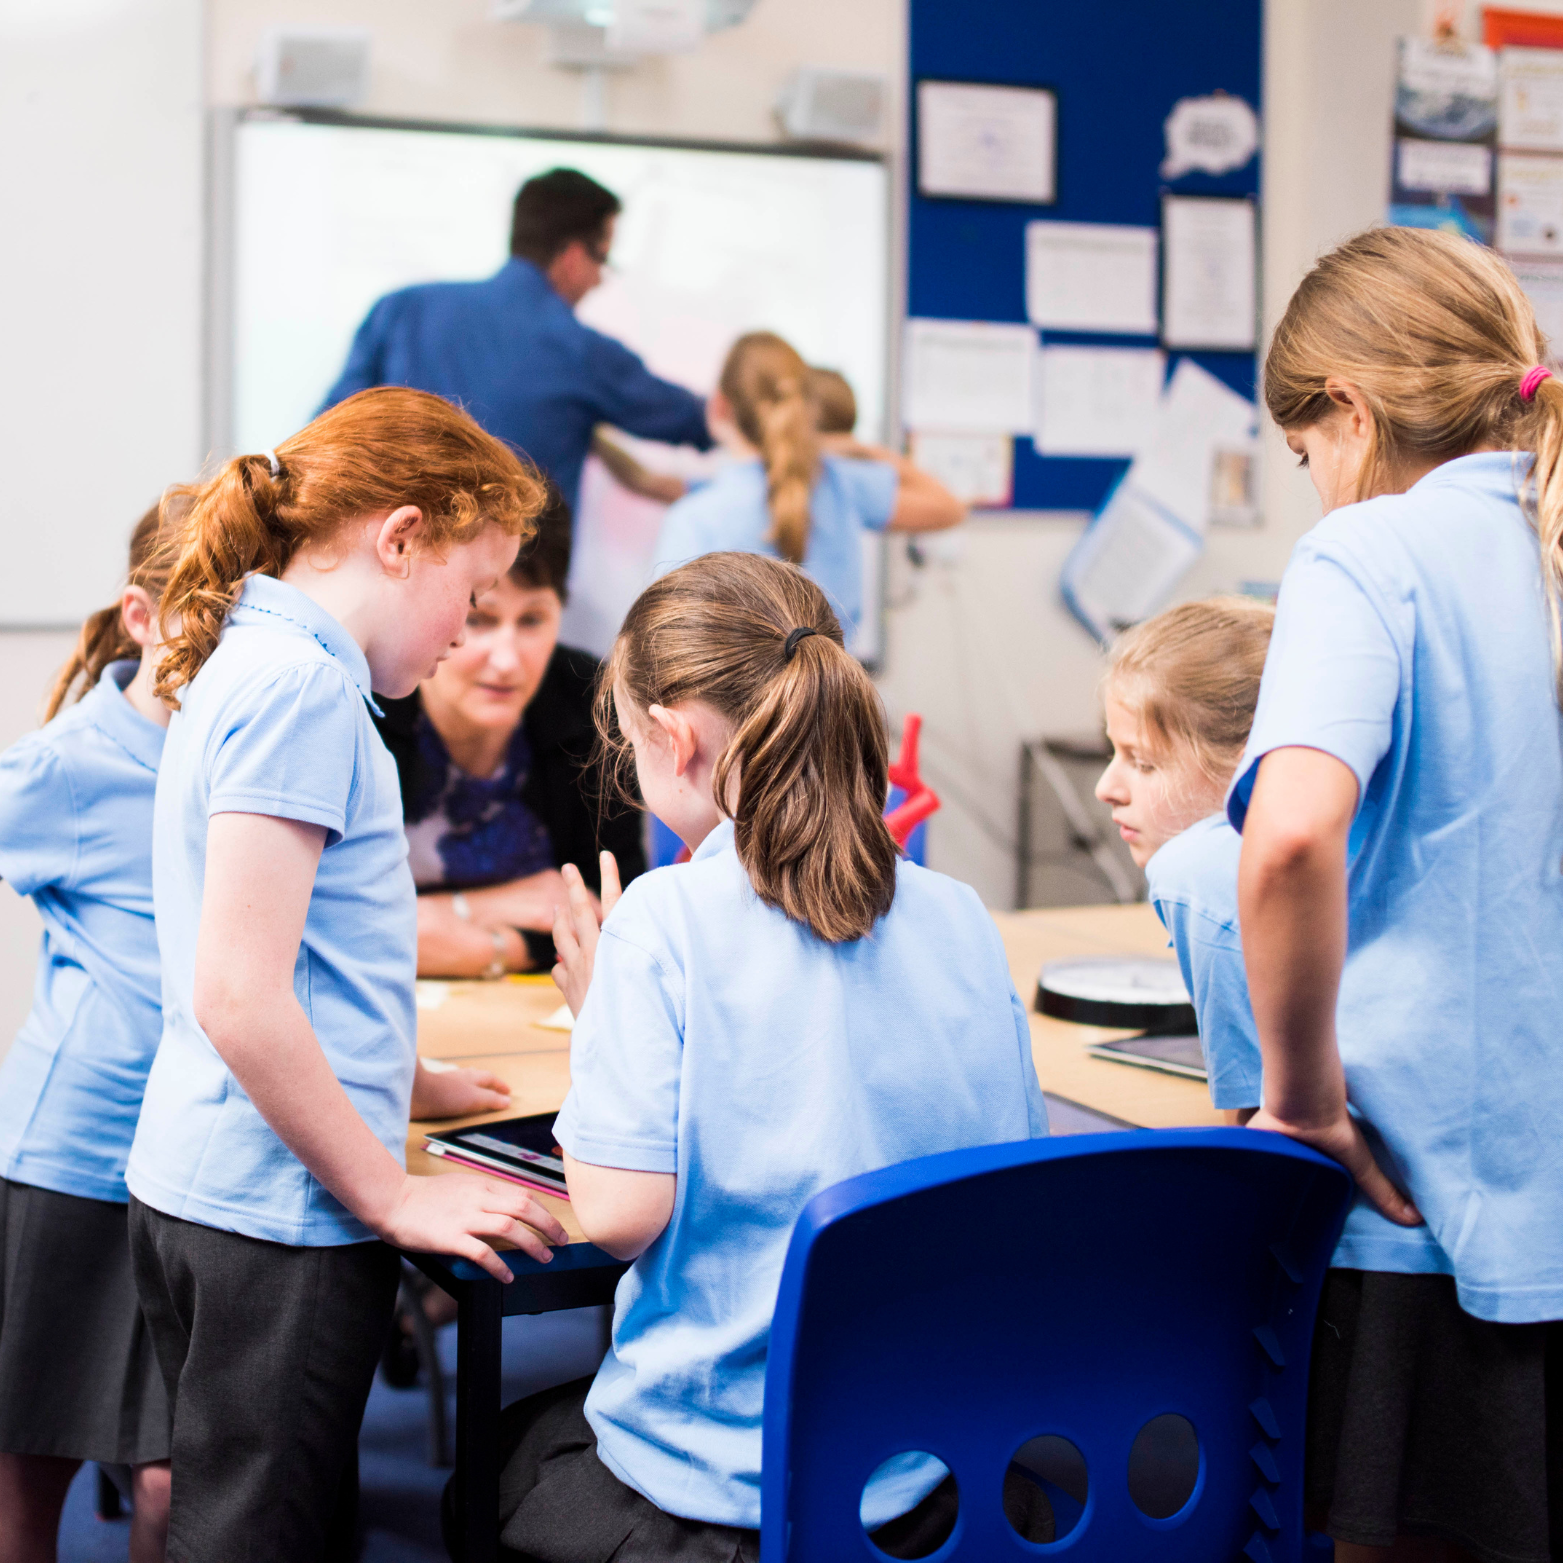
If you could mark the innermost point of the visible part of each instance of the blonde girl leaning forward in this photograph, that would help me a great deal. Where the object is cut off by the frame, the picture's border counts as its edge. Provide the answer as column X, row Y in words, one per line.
column 1401, row 885
column 792, row 493
column 268, row 1159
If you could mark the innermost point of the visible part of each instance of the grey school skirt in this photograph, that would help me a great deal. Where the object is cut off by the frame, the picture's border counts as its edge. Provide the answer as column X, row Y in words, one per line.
column 78, row 1376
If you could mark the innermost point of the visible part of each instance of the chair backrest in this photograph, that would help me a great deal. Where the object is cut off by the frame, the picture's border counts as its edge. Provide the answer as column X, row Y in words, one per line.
column 964, row 1304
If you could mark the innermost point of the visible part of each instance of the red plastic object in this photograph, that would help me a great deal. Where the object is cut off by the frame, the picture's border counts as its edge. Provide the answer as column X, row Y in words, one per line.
column 920, row 800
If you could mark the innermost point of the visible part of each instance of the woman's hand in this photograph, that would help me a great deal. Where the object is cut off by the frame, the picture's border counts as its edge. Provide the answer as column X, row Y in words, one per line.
column 463, row 1214
column 456, row 1093
column 529, row 903
column 1342, row 1140
column 576, row 930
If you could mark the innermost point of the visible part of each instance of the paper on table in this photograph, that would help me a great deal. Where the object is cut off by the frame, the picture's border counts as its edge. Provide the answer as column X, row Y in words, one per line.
column 967, row 376
column 978, row 469
column 1542, row 281
column 1530, row 204
column 1127, row 563
column 1198, row 417
column 559, row 1020
column 1530, row 99
column 1098, row 401
column 986, row 143
column 1208, row 280
column 1091, row 277
column 430, row 995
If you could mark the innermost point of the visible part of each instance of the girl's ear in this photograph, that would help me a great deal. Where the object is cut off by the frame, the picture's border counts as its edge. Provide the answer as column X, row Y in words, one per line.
column 679, row 732
column 396, row 538
column 1351, row 403
column 139, row 615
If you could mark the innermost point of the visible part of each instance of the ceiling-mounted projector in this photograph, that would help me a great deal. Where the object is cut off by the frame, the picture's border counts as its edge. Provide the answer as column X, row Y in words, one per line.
column 601, row 13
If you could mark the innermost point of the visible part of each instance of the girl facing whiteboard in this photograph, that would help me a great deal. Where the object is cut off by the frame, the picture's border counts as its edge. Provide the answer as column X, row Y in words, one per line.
column 793, row 493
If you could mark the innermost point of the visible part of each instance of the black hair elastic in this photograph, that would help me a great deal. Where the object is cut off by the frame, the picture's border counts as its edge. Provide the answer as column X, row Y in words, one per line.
column 791, row 649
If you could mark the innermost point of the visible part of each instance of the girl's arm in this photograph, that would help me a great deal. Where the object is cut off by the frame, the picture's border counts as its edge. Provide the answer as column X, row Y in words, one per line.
column 638, row 478
column 622, row 1212
column 260, row 872
column 922, row 502
column 1292, row 902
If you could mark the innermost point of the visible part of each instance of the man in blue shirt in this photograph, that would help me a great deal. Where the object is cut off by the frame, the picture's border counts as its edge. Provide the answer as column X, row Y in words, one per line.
column 510, row 350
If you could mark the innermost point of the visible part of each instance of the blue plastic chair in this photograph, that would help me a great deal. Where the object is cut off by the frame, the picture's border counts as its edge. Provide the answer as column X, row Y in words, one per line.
column 966, row 1303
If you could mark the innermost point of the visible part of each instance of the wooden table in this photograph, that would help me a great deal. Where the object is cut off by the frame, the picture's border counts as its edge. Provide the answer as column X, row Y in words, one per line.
column 493, row 1025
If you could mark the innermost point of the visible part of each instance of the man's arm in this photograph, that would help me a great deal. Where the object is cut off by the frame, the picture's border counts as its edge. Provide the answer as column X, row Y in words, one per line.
column 630, row 397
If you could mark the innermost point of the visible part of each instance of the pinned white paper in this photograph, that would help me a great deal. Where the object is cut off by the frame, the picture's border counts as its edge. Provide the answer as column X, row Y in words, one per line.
column 986, row 143
column 1542, row 281
column 656, row 26
column 1198, row 417
column 1530, row 204
column 967, row 377
column 978, row 469
column 1098, row 401
column 1530, row 100
column 1091, row 277
column 1213, row 135
column 1443, row 167
column 1209, row 276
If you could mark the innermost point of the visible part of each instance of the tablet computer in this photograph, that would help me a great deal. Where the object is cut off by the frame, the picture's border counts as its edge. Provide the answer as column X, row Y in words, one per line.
column 520, row 1148
column 1175, row 1055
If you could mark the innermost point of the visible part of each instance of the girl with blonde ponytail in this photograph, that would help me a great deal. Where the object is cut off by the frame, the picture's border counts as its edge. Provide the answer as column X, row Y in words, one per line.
column 270, row 1149
column 792, row 492
column 78, row 1378
column 1400, row 889
column 794, row 1006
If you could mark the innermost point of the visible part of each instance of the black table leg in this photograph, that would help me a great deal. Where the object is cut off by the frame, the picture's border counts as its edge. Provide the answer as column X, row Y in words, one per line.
column 479, row 1324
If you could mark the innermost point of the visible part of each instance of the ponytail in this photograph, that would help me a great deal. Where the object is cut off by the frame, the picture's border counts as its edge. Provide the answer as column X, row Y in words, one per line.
column 372, row 453
column 104, row 638
column 767, row 384
column 808, row 752
column 1439, row 338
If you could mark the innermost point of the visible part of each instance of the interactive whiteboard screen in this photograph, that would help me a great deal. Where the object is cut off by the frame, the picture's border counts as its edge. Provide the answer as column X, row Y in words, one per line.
column 712, row 242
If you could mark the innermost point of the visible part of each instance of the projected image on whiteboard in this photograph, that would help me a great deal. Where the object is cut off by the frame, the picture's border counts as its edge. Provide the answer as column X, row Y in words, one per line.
column 711, row 243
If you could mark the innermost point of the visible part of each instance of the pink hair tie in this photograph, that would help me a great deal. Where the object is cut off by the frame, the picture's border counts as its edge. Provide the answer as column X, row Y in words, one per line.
column 1533, row 378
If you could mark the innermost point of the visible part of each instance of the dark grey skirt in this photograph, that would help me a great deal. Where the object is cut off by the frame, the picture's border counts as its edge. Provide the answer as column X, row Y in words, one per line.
column 1425, row 1421
column 78, row 1376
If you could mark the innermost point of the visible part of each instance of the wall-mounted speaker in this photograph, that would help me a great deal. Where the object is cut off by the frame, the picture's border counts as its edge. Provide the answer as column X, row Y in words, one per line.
column 829, row 105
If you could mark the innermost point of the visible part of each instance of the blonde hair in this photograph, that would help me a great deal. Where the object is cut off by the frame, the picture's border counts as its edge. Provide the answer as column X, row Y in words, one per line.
column 808, row 748
column 376, row 451
column 835, row 405
column 767, row 383
column 104, row 638
column 1436, row 334
column 1192, row 675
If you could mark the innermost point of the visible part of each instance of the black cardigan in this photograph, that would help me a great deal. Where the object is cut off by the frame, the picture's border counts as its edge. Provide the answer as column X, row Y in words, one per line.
column 563, row 788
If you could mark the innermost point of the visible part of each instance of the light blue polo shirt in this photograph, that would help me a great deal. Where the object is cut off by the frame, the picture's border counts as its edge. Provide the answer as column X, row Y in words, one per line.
column 1411, row 643
column 76, row 836
column 726, row 1044
column 277, row 722
column 730, row 514
column 1192, row 882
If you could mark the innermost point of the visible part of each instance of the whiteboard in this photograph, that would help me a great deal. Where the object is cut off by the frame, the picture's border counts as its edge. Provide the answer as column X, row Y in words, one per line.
column 328, row 214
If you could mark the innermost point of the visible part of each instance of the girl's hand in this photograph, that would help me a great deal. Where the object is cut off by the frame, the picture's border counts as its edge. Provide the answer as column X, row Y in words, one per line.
column 455, row 1093
column 1342, row 1140
column 460, row 1213
column 576, row 930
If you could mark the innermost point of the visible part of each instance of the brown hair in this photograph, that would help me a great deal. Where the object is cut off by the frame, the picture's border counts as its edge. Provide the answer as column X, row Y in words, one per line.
column 544, row 559
column 104, row 638
column 1192, row 676
column 375, row 451
column 1436, row 334
column 808, row 749
column 768, row 385
column 835, row 406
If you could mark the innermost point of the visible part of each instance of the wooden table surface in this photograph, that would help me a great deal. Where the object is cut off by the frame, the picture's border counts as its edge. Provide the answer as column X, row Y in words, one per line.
column 493, row 1025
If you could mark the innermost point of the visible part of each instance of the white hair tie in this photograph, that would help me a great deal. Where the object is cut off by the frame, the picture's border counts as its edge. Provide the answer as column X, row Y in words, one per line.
column 273, row 463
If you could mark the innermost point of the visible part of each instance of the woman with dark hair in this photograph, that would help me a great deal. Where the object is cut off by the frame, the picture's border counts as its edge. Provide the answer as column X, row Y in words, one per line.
column 498, row 791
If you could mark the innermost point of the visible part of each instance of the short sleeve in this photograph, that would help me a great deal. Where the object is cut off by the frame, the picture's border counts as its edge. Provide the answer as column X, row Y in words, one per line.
column 872, row 487
column 626, row 1057
column 683, row 537
column 39, row 838
column 1331, row 680
column 1036, row 1104
column 288, row 747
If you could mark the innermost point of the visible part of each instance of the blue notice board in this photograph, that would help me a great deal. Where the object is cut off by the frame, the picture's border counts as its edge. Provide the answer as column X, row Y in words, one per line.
column 1117, row 67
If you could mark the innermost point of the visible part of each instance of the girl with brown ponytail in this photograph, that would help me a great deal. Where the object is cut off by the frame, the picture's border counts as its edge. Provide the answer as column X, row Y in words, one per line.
column 78, row 1378
column 792, row 1007
column 1400, row 889
column 270, row 1149
column 792, row 492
